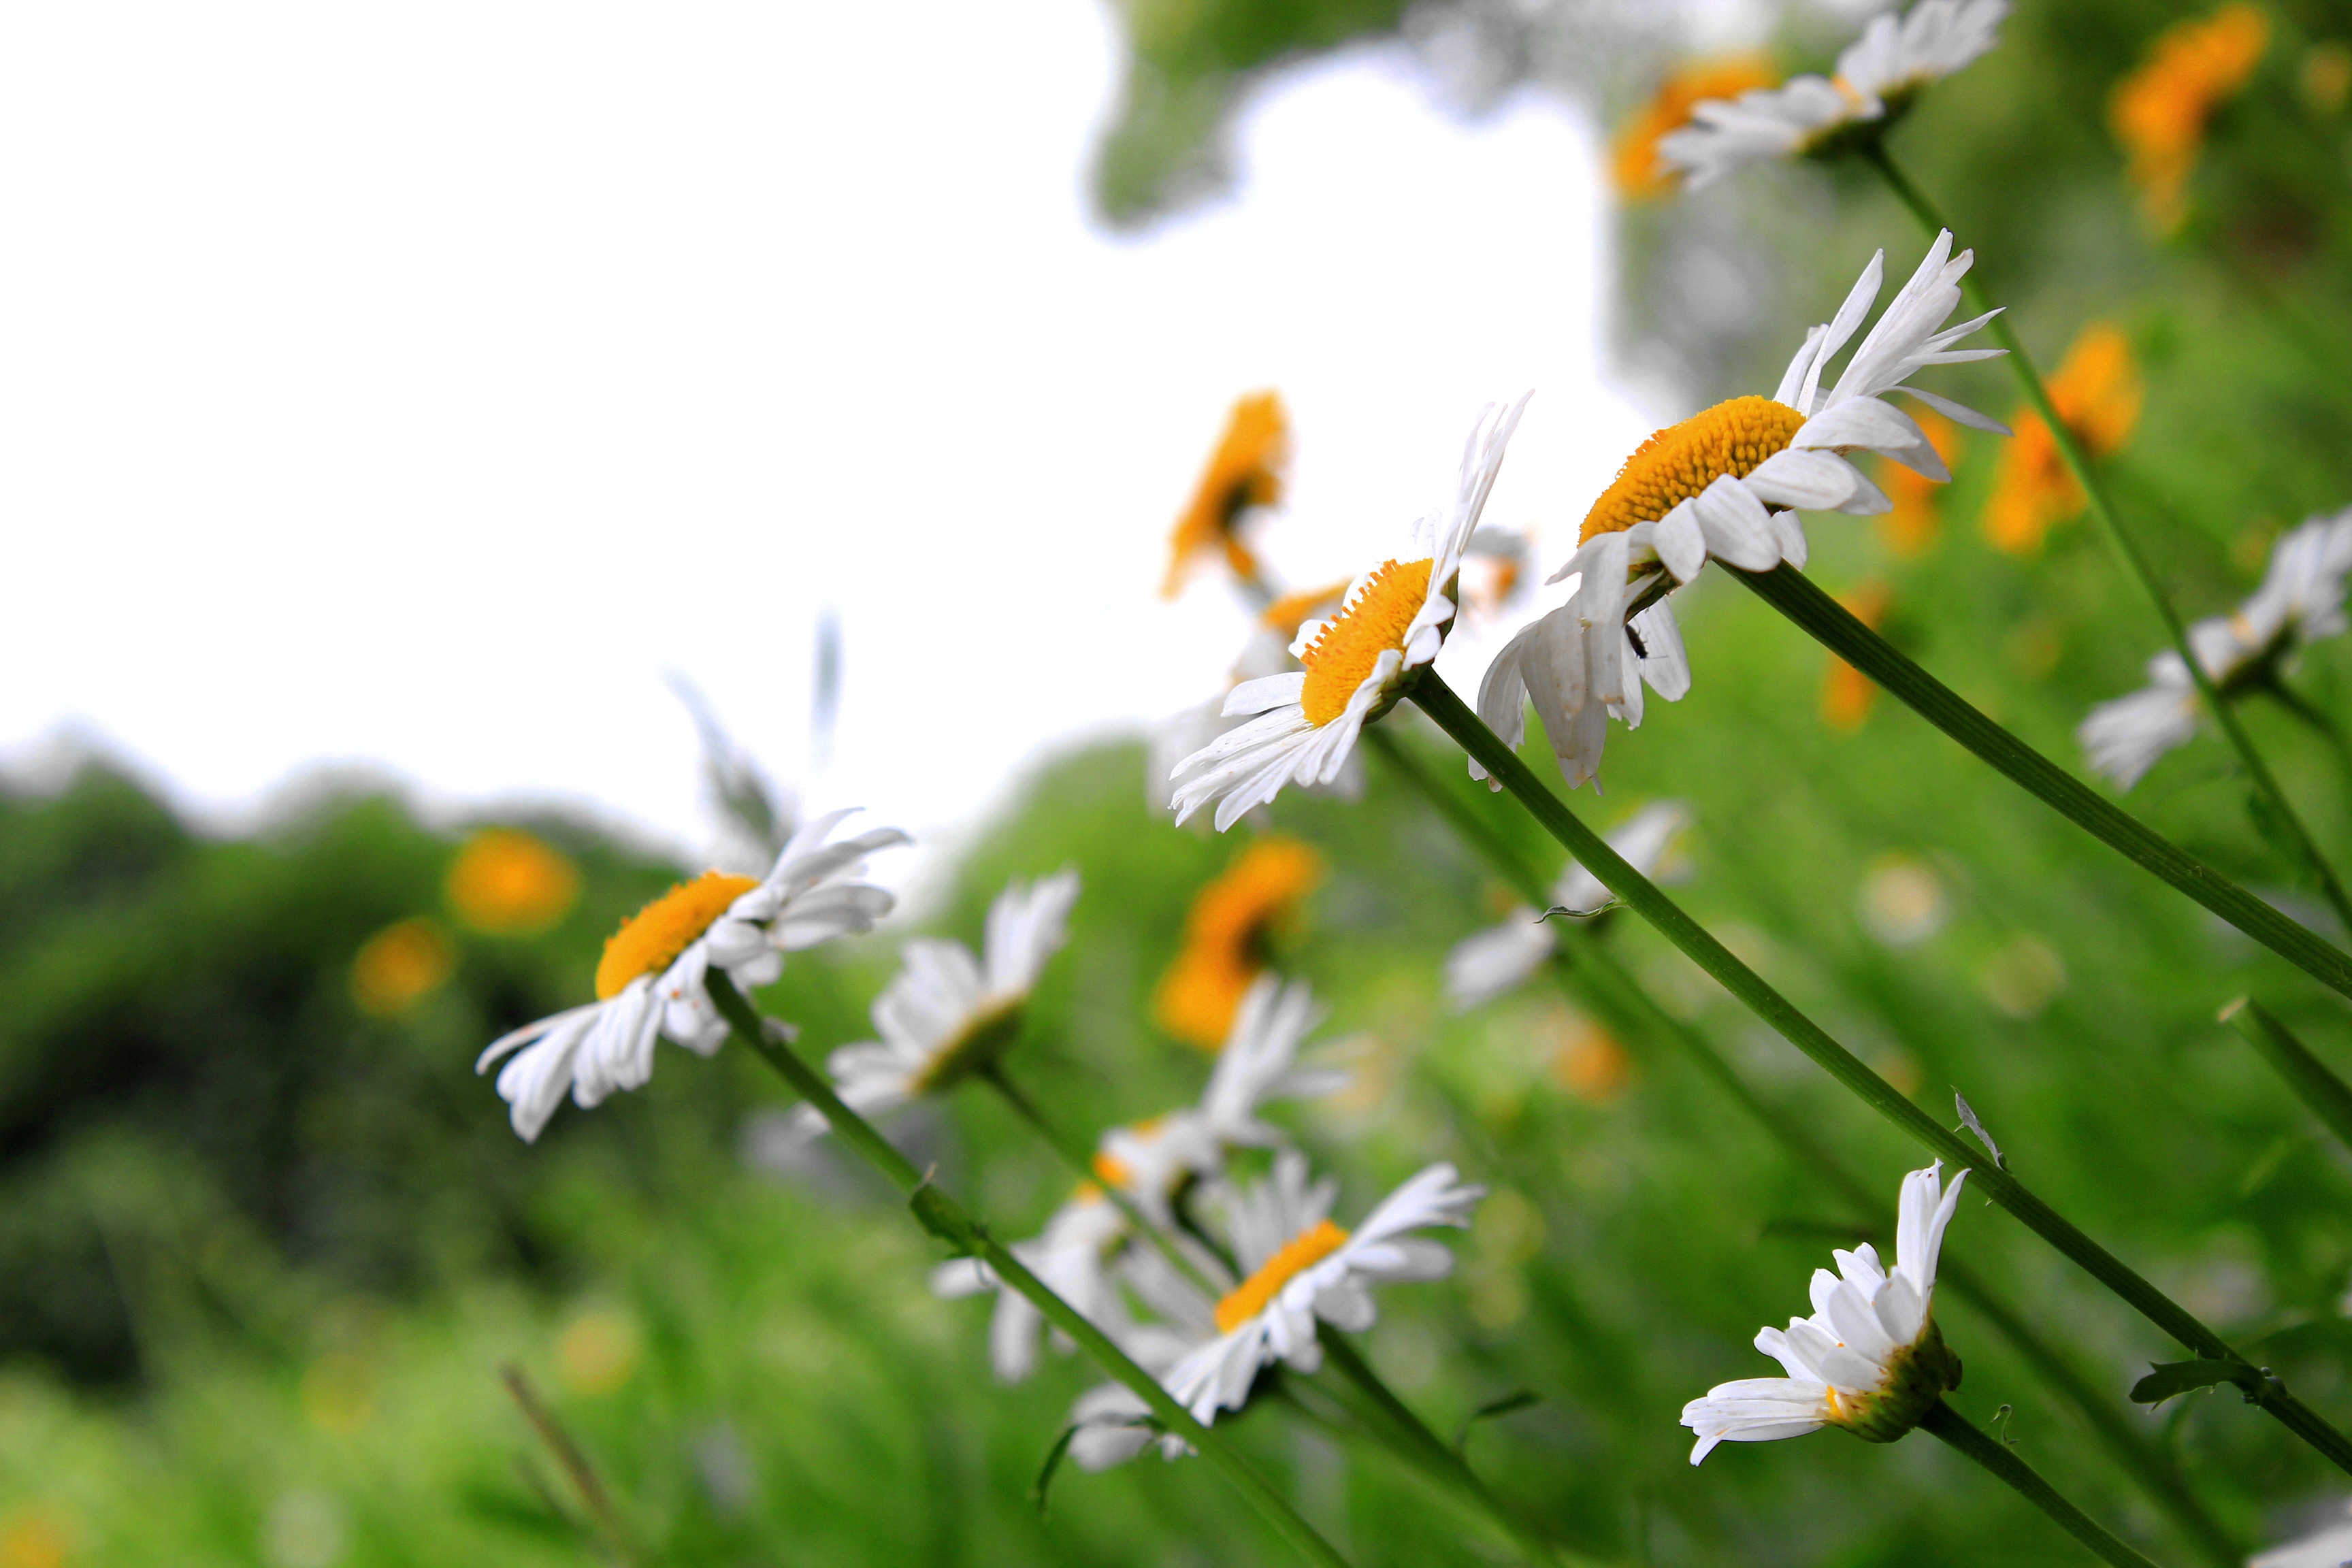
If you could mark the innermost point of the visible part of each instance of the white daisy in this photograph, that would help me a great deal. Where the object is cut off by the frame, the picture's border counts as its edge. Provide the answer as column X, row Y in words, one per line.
column 1303, row 1268
column 651, row 980
column 1500, row 959
column 1724, row 484
column 1877, row 77
column 1870, row 1359
column 1394, row 620
column 947, row 1014
column 2301, row 601
column 1266, row 652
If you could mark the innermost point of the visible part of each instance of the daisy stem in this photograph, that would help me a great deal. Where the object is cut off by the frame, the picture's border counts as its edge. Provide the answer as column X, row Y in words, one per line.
column 945, row 1218
column 1454, row 717
column 1944, row 1422
column 1584, row 966
column 2037, row 391
column 2322, row 1092
column 1075, row 1156
column 2285, row 696
column 1797, row 596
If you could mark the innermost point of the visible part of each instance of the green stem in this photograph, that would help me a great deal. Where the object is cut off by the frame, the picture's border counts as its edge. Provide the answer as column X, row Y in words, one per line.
column 2322, row 1092
column 947, row 1219
column 2327, row 728
column 1797, row 596
column 1943, row 1421
column 1586, row 967
column 2095, row 492
column 1644, row 896
column 1077, row 1157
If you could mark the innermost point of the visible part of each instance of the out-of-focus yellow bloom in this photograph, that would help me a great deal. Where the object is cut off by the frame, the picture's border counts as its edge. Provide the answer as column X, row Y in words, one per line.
column 400, row 965
column 2327, row 76
column 1244, row 471
column 1225, row 938
column 34, row 1537
column 1589, row 1063
column 507, row 883
column 1915, row 522
column 597, row 1351
column 1633, row 157
column 1847, row 694
column 2097, row 392
column 2160, row 111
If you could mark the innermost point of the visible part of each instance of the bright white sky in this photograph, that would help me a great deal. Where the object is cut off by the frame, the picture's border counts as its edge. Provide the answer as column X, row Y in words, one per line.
column 410, row 386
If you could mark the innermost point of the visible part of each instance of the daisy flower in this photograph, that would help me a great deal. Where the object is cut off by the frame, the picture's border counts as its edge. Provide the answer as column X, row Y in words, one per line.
column 1878, row 75
column 1266, row 652
column 2159, row 112
column 1227, row 932
column 2096, row 390
column 1502, row 958
column 2301, row 601
column 650, row 981
column 1152, row 1163
column 1393, row 622
column 1302, row 1268
column 1870, row 1359
column 947, row 1014
column 1244, row 473
column 1634, row 166
column 1723, row 485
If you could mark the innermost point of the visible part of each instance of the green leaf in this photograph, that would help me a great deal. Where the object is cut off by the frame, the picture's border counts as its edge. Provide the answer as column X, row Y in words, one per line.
column 2170, row 1378
column 1045, row 1481
column 1518, row 1399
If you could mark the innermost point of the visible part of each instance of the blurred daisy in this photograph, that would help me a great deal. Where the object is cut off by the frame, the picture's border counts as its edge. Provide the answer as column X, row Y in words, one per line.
column 1634, row 166
column 1494, row 568
column 1723, row 485
column 2159, row 112
column 650, row 981
column 507, row 883
column 1503, row 958
column 1914, row 518
column 1394, row 621
column 1244, row 473
column 2096, row 390
column 1878, row 75
column 1847, row 694
column 1228, row 935
column 1071, row 1257
column 1302, row 1268
column 2301, row 601
column 1870, row 1359
column 947, row 1014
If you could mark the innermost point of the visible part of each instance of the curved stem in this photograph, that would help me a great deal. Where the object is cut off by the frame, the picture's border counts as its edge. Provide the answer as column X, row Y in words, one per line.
column 1644, row 896
column 945, row 1218
column 1829, row 623
column 1943, row 1421
column 2077, row 463
column 1585, row 966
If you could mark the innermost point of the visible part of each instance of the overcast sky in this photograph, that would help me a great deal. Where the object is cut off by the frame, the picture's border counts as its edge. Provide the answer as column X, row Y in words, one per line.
column 411, row 387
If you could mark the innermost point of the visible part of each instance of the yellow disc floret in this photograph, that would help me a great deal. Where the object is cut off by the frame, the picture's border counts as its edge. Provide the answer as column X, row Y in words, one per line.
column 648, row 940
column 1681, row 460
column 1352, row 641
column 1301, row 1252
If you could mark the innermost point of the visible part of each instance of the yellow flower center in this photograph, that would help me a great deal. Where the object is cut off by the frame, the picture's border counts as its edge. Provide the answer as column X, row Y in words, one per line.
column 648, row 940
column 1681, row 460
column 1352, row 641
column 1301, row 1252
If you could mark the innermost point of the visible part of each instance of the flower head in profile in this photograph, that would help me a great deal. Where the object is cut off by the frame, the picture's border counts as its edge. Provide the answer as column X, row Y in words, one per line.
column 1089, row 1244
column 2096, row 390
column 1870, row 1359
column 1393, row 622
column 1878, row 75
column 1725, row 485
column 652, row 979
column 2301, row 601
column 1502, row 958
column 1228, row 933
column 948, row 1014
column 1634, row 166
column 1266, row 652
column 2160, row 111
column 1244, row 473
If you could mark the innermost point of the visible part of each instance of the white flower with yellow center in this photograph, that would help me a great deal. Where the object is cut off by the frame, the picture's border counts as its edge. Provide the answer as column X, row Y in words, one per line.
column 1301, row 1267
column 1725, row 485
column 1152, row 1163
column 1870, row 1359
column 1304, row 723
column 1877, row 77
column 651, row 978
column 1503, row 957
column 2301, row 601
column 947, row 1014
